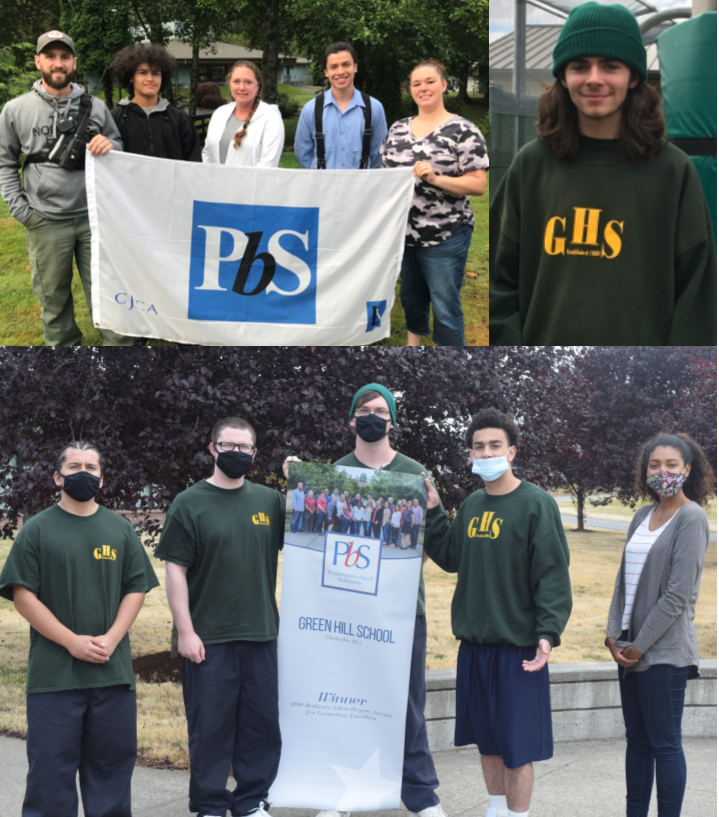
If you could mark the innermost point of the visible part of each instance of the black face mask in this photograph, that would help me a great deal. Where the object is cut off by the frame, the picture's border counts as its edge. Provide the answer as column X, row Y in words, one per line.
column 371, row 428
column 234, row 464
column 81, row 486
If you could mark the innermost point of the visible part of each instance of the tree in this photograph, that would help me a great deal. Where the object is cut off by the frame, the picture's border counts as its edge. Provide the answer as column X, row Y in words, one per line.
column 583, row 414
column 17, row 71
column 604, row 403
column 201, row 23
column 390, row 38
column 26, row 20
column 98, row 32
column 271, row 51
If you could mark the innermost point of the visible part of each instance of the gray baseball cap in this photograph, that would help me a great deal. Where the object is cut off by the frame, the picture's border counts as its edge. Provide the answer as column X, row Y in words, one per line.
column 52, row 38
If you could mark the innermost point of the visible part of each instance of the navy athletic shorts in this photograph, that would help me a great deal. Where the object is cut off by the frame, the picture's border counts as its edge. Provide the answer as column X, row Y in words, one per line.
column 500, row 707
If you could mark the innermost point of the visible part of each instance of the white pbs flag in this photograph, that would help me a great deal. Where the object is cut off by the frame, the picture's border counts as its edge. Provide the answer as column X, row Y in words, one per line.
column 234, row 256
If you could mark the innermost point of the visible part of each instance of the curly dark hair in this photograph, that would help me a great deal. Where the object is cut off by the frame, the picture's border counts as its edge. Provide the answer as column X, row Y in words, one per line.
column 700, row 485
column 642, row 132
column 493, row 418
column 128, row 59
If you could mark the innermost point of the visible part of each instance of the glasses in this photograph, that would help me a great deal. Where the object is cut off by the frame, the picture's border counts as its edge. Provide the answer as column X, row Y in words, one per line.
column 380, row 412
column 245, row 448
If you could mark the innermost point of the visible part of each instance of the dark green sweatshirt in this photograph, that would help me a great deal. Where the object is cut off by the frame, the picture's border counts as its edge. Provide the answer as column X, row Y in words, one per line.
column 513, row 562
column 601, row 250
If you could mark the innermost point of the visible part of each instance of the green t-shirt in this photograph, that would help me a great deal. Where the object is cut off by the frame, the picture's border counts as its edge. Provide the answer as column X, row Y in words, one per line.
column 513, row 562
column 80, row 567
column 229, row 541
column 403, row 465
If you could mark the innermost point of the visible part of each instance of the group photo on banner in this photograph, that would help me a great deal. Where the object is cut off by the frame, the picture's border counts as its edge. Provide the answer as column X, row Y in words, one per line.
column 325, row 198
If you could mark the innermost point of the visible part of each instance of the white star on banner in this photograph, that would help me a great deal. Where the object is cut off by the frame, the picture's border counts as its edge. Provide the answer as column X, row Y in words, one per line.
column 366, row 788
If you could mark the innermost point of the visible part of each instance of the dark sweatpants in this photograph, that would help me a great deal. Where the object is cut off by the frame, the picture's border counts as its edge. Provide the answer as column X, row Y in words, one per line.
column 232, row 717
column 419, row 778
column 93, row 731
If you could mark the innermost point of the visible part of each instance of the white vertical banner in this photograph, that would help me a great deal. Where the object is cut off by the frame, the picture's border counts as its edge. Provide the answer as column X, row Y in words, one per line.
column 347, row 624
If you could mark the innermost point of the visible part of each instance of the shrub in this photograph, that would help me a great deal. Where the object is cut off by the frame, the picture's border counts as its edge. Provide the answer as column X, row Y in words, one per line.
column 289, row 106
column 209, row 96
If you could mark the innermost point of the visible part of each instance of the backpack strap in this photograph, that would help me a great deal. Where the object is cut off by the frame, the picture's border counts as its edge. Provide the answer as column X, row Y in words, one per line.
column 367, row 135
column 84, row 114
column 319, row 136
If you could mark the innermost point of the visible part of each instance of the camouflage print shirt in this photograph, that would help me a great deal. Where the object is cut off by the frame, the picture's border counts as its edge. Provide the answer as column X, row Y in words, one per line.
column 453, row 149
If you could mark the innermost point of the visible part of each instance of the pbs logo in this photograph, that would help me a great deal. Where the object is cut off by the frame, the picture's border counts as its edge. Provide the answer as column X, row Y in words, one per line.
column 253, row 263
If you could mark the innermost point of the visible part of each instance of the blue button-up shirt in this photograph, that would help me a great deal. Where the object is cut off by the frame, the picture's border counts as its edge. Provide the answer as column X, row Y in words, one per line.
column 343, row 133
column 298, row 500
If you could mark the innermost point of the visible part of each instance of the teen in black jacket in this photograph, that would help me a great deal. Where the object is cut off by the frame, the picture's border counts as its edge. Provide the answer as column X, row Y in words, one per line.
column 148, row 124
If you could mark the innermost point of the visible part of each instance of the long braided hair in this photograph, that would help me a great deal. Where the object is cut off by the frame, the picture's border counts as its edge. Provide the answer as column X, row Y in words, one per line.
column 240, row 135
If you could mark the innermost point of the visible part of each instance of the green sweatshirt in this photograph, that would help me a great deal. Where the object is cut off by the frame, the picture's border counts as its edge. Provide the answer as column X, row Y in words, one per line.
column 513, row 562
column 601, row 250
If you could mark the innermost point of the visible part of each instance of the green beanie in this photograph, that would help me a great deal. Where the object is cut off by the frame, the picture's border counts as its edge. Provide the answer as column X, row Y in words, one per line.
column 386, row 393
column 593, row 30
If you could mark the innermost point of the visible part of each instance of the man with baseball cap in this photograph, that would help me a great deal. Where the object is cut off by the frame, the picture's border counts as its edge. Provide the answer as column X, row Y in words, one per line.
column 50, row 126
column 599, row 231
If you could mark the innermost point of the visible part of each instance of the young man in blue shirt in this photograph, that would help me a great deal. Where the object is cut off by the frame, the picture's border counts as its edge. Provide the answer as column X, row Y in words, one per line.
column 343, row 118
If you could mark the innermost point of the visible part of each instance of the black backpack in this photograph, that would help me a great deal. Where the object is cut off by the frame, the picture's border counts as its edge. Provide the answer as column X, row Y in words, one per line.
column 320, row 138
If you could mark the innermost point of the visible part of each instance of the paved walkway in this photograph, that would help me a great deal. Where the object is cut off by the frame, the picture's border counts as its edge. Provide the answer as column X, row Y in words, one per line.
column 583, row 779
column 610, row 524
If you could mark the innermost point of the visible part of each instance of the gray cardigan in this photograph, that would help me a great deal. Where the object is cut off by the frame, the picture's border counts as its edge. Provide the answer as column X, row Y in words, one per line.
column 661, row 625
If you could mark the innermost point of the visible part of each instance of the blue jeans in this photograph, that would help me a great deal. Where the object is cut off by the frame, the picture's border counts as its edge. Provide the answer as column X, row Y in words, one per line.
column 345, row 524
column 320, row 521
column 385, row 531
column 435, row 275
column 296, row 524
column 652, row 703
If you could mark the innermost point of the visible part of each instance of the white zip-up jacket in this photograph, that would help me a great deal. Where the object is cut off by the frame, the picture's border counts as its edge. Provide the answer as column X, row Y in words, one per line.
column 262, row 147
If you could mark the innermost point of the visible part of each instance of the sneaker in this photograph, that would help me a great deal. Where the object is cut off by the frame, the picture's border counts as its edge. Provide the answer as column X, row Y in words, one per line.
column 431, row 811
column 491, row 812
column 333, row 813
column 261, row 810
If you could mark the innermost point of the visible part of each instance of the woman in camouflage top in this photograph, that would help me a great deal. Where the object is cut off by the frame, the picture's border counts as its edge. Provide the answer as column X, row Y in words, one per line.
column 449, row 157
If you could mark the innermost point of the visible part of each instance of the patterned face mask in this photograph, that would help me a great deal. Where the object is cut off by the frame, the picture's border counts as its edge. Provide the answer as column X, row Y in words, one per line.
column 666, row 483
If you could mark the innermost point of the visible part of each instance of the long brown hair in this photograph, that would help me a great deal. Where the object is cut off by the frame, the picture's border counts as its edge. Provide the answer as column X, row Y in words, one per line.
column 240, row 135
column 642, row 133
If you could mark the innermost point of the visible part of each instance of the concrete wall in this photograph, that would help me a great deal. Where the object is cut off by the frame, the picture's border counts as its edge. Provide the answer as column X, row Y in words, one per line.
column 585, row 703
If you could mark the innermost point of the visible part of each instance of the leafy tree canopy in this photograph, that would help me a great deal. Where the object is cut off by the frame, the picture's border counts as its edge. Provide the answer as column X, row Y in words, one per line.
column 583, row 413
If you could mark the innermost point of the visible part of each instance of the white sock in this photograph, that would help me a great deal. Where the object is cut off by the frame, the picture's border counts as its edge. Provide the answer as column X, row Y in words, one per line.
column 499, row 802
column 518, row 814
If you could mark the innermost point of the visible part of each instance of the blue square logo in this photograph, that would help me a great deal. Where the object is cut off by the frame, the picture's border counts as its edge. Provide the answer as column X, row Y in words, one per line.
column 251, row 263
column 375, row 310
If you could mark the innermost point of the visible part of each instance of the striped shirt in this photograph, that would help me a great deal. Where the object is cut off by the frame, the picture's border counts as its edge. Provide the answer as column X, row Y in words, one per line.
column 636, row 555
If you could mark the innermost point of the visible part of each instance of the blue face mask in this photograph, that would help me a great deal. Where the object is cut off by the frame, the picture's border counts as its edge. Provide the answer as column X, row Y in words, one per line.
column 490, row 468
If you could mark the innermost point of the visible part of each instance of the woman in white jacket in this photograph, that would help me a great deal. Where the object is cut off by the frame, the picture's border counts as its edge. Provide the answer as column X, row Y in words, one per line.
column 246, row 132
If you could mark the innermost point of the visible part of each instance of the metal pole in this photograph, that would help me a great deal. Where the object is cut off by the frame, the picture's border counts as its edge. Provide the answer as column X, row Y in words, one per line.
column 520, row 40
